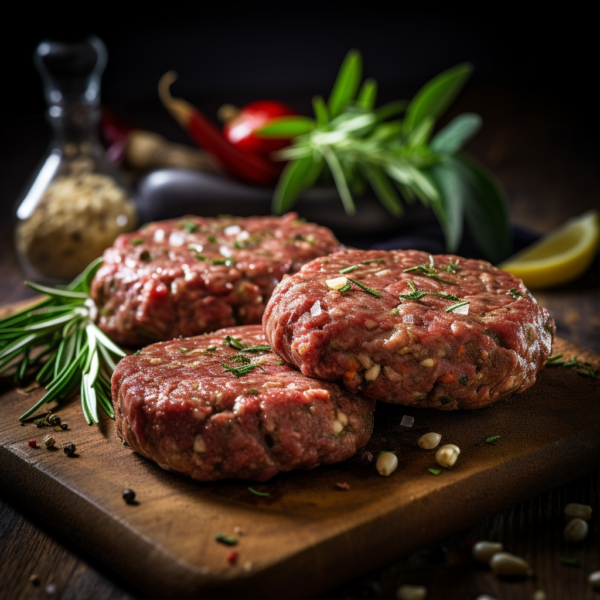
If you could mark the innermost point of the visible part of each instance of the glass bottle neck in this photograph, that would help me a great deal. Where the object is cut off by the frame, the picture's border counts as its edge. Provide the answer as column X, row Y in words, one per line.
column 75, row 127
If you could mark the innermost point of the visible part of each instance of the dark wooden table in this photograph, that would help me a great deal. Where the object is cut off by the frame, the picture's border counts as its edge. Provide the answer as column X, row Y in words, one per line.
column 547, row 164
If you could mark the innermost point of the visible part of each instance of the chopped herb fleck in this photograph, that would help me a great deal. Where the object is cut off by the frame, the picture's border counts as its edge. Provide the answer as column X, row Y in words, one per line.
column 571, row 562
column 463, row 380
column 416, row 294
column 345, row 288
column 222, row 261
column 447, row 296
column 240, row 358
column 428, row 271
column 514, row 293
column 252, row 392
column 445, row 400
column 457, row 305
column 365, row 288
column 190, row 226
column 241, row 371
column 257, row 349
column 211, row 349
column 310, row 238
column 349, row 269
column 184, row 350
column 136, row 353
column 435, row 471
column 394, row 311
column 257, row 493
column 280, row 362
column 137, row 241
column 212, row 239
column 233, row 343
column 145, row 256
column 200, row 257
column 586, row 367
column 492, row 439
column 373, row 260
column 452, row 268
column 228, row 540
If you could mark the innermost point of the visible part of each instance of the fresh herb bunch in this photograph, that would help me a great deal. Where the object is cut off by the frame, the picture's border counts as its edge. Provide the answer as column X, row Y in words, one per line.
column 58, row 338
column 398, row 157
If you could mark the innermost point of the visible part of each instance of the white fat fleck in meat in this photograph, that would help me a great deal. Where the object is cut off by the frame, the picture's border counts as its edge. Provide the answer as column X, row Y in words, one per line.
column 199, row 444
column 338, row 313
column 428, row 362
column 190, row 275
column 337, row 426
column 370, row 324
column 373, row 373
column 408, row 319
column 232, row 230
column 315, row 309
column 155, row 361
column 392, row 375
column 342, row 418
column 159, row 235
column 177, row 238
column 242, row 236
column 383, row 273
column 291, row 386
column 196, row 247
column 365, row 360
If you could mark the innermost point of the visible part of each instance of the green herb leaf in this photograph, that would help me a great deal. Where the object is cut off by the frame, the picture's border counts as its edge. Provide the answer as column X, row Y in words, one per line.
column 456, row 134
column 137, row 241
column 257, row 493
column 291, row 183
column 485, row 209
column 463, row 380
column 228, row 540
column 345, row 288
column 280, row 362
column 447, row 296
column 436, row 95
column 241, row 371
column 373, row 260
column 212, row 239
column 435, row 471
column 348, row 269
column 492, row 439
column 285, row 127
column 457, row 305
column 228, row 262
column 189, row 226
column 346, row 84
column 233, row 343
column 514, row 293
column 321, row 112
column 571, row 562
column 340, row 180
column 240, row 358
column 384, row 190
column 367, row 95
column 364, row 288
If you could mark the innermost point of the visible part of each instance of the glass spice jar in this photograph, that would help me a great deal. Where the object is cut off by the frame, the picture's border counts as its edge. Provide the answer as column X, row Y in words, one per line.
column 77, row 203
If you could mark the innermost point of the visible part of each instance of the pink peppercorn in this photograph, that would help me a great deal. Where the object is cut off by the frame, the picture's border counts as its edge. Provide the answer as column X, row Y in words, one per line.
column 32, row 444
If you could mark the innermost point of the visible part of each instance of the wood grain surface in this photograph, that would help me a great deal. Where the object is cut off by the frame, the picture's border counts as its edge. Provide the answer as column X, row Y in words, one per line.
column 308, row 535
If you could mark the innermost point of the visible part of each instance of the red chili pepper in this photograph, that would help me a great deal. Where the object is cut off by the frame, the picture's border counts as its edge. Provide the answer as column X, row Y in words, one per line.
column 232, row 557
column 32, row 444
column 240, row 125
column 245, row 165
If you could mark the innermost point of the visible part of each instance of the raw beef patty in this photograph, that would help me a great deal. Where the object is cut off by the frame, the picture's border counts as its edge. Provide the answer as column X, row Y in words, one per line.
column 224, row 406
column 432, row 331
column 194, row 275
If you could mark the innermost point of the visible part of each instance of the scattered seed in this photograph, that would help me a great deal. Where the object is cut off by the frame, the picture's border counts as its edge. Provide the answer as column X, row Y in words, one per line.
column 49, row 441
column 238, row 531
column 578, row 511
column 484, row 551
column 447, row 455
column 128, row 496
column 407, row 421
column 34, row 579
column 232, row 557
column 429, row 441
column 575, row 531
column 504, row 563
column 411, row 592
column 386, row 464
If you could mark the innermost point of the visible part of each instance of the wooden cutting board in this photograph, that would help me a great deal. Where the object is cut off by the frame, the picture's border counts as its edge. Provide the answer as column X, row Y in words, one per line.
column 308, row 535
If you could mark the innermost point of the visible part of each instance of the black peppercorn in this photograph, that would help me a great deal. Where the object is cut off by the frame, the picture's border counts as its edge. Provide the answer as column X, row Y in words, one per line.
column 54, row 420
column 129, row 496
column 70, row 449
column 64, row 426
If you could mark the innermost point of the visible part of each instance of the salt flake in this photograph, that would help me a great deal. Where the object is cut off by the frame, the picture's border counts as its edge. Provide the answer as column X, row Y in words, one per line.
column 462, row 310
column 407, row 421
column 232, row 230
column 407, row 319
column 176, row 239
column 315, row 309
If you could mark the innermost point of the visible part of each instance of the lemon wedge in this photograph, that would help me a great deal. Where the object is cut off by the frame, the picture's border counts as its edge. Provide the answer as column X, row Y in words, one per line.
column 560, row 256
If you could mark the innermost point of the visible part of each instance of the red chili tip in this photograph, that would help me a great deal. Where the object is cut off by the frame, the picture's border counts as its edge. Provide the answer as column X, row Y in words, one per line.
column 232, row 557
column 32, row 444
column 342, row 485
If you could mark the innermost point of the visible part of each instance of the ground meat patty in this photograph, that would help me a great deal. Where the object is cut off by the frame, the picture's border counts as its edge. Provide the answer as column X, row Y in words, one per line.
column 193, row 275
column 411, row 351
column 216, row 411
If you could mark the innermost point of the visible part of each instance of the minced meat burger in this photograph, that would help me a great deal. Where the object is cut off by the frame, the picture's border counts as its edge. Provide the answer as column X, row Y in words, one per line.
column 224, row 405
column 409, row 328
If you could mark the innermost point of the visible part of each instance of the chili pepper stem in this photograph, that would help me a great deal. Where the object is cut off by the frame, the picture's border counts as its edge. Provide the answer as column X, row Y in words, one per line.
column 180, row 109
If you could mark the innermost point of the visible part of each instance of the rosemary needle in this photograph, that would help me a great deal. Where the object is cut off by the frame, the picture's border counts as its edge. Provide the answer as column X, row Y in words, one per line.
column 59, row 338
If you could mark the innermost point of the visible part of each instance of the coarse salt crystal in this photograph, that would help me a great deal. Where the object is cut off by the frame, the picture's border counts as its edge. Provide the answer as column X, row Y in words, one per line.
column 225, row 251
column 383, row 273
column 159, row 235
column 315, row 309
column 407, row 421
column 232, row 230
column 407, row 319
column 337, row 283
column 176, row 239
column 462, row 310
column 196, row 247
column 244, row 235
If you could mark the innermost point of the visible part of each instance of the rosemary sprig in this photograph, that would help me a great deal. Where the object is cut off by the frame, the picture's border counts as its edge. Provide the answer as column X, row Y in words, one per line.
column 355, row 144
column 364, row 288
column 428, row 271
column 58, row 338
column 585, row 369
column 237, row 345
column 241, row 371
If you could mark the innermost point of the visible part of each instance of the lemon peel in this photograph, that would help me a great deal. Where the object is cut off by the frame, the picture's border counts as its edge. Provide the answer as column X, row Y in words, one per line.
column 560, row 256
